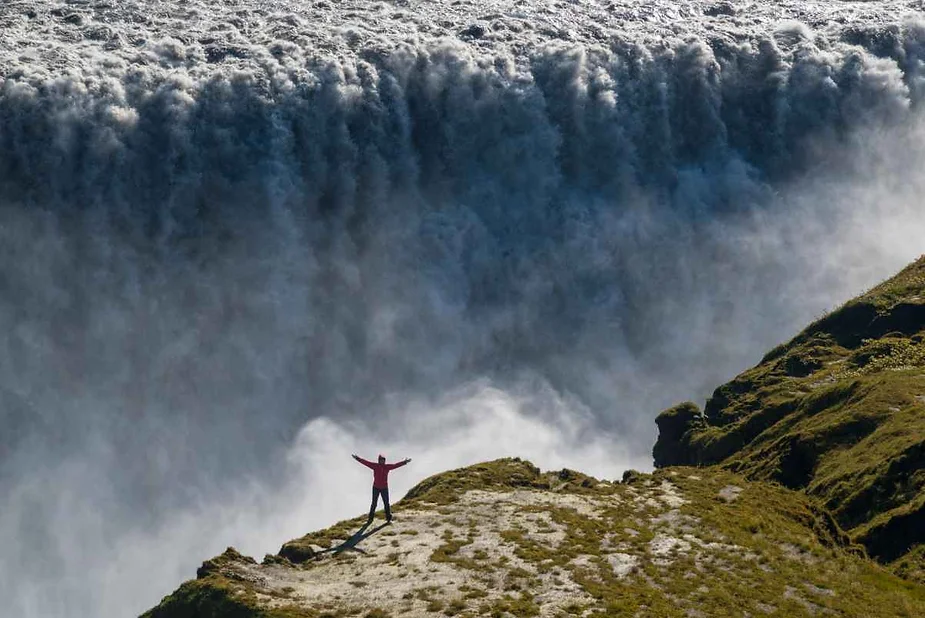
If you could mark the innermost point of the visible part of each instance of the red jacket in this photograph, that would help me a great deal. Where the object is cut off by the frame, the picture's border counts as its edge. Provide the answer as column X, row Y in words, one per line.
column 380, row 471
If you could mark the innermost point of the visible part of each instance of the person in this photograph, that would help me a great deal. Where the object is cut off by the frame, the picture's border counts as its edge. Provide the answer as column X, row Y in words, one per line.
column 380, row 484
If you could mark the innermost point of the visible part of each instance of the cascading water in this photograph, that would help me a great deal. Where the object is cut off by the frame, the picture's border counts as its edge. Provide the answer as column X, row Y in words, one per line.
column 222, row 222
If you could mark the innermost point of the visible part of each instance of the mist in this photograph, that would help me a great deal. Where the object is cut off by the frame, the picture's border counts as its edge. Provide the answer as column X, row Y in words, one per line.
column 223, row 274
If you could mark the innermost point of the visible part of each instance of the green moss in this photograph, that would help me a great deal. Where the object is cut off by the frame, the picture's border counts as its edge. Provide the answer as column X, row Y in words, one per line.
column 445, row 488
column 206, row 598
column 472, row 593
column 751, row 551
column 522, row 606
column 905, row 286
column 454, row 607
column 217, row 565
column 912, row 565
column 675, row 425
column 218, row 597
column 838, row 412
column 449, row 551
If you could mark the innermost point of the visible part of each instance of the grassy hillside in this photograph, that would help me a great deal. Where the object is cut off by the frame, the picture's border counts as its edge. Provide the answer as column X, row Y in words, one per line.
column 838, row 413
column 504, row 539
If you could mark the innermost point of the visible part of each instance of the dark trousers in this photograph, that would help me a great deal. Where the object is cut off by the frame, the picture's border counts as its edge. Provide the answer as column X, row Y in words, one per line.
column 385, row 500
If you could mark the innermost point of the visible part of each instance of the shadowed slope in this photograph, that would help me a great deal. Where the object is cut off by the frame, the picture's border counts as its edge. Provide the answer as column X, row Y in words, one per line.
column 838, row 412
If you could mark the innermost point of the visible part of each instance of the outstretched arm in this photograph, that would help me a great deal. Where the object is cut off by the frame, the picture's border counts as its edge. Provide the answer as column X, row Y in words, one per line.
column 368, row 464
column 399, row 464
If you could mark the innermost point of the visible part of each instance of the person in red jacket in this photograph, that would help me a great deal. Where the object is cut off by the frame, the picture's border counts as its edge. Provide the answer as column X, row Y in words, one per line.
column 380, row 483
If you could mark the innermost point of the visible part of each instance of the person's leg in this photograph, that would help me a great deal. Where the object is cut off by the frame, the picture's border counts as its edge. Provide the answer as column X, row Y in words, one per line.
column 372, row 507
column 388, row 508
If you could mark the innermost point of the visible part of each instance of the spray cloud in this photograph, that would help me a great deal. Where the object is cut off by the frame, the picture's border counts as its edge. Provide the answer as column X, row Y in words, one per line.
column 235, row 253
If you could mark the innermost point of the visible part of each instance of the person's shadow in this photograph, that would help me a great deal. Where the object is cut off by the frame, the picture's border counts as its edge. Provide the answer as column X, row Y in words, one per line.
column 352, row 542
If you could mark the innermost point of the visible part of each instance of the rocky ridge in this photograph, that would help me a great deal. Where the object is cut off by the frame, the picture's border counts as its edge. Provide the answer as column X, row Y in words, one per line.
column 504, row 539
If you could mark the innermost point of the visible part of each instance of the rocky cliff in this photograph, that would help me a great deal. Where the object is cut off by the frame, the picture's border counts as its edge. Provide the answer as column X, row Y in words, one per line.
column 504, row 539
column 838, row 413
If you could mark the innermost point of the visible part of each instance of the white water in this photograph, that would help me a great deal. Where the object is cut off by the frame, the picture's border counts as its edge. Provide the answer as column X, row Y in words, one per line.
column 243, row 240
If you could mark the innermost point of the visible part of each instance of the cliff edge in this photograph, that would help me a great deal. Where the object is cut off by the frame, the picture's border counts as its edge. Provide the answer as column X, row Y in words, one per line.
column 504, row 539
column 838, row 413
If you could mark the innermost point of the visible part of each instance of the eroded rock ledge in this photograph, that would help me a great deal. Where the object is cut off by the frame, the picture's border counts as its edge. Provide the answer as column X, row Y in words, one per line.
column 504, row 539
